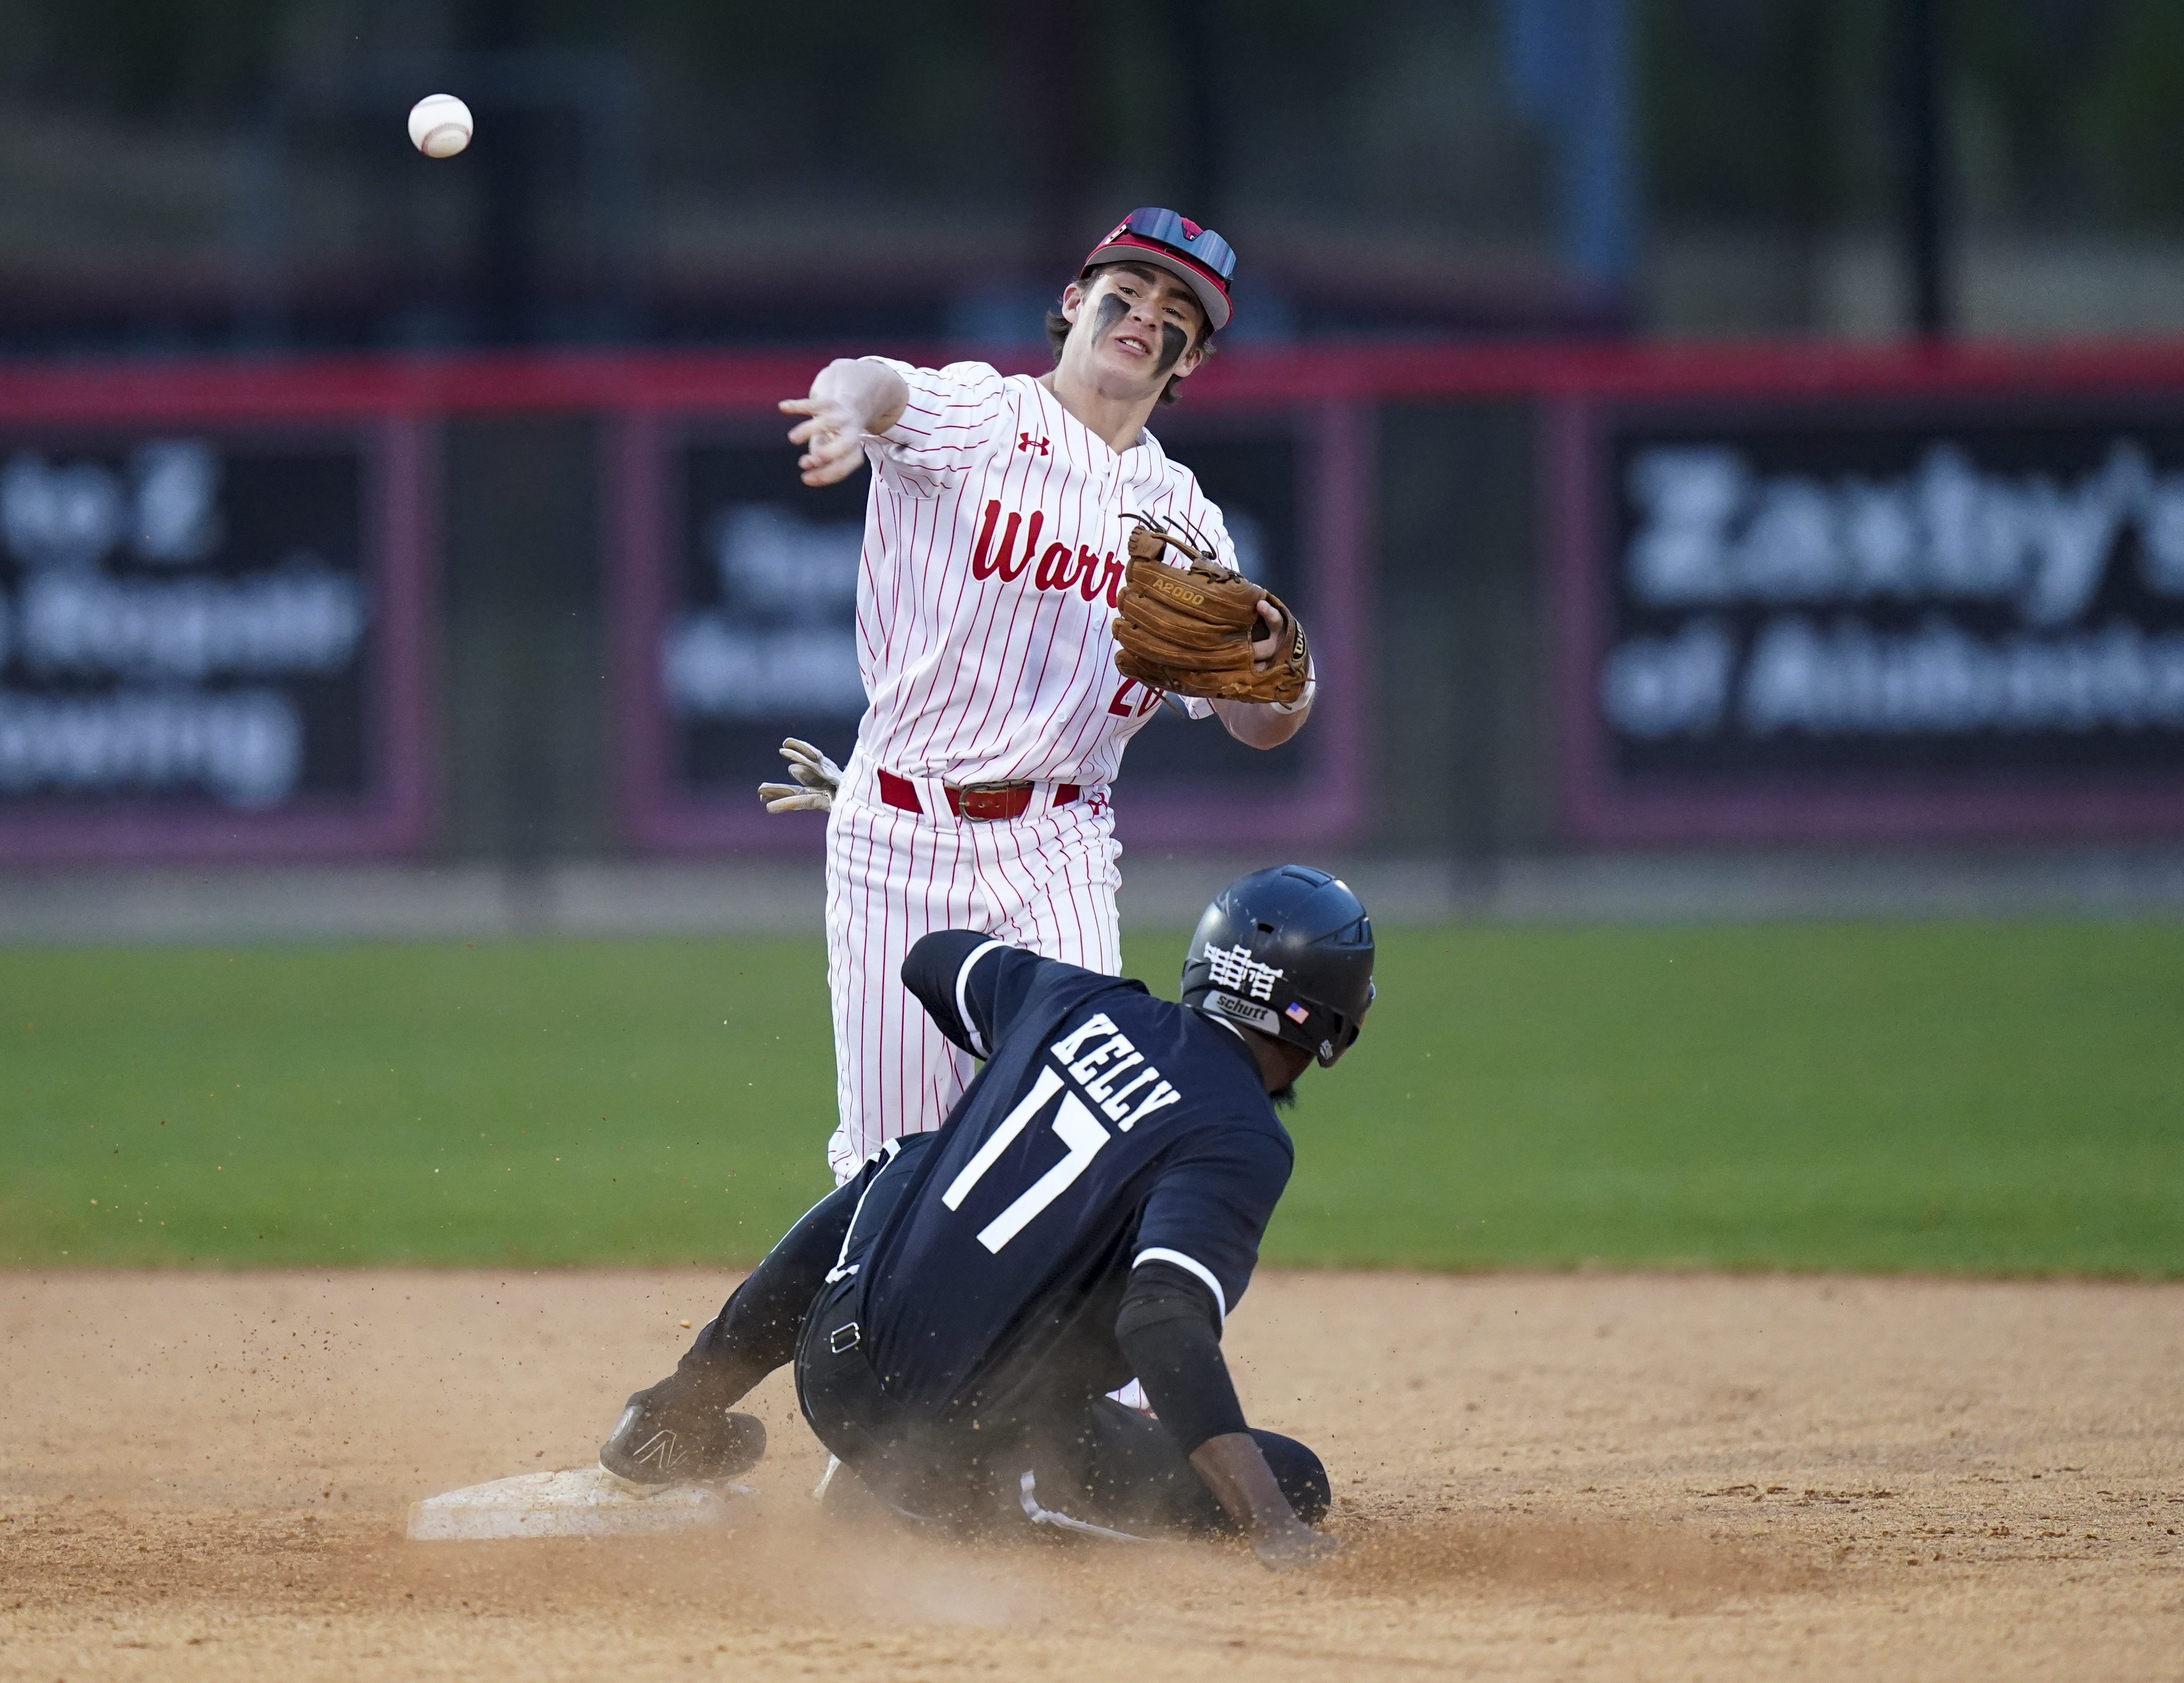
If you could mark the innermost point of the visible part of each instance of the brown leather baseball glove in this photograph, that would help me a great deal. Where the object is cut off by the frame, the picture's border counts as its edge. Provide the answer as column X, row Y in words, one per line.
column 1190, row 632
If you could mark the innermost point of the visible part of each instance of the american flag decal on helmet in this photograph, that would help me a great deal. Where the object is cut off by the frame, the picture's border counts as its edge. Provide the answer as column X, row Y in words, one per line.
column 1295, row 1012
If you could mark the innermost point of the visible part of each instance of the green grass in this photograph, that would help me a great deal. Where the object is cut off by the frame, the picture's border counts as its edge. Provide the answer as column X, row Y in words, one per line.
column 1960, row 1097
column 1988, row 1098
column 541, row 1102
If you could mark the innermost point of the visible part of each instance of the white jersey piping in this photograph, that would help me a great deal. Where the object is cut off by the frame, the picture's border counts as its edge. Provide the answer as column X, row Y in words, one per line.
column 1160, row 1253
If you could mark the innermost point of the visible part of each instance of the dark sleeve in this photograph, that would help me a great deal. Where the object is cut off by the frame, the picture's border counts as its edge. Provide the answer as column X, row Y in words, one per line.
column 1208, row 1209
column 1170, row 1331
column 971, row 985
column 756, row 1331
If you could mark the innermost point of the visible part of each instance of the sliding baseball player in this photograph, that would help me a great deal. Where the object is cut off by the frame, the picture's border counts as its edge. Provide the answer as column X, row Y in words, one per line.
column 956, row 1311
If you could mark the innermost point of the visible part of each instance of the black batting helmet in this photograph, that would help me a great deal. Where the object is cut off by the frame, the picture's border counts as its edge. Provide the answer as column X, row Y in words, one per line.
column 1287, row 951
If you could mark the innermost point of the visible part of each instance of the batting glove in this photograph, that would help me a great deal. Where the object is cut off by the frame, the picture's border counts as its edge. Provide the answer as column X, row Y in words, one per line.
column 816, row 777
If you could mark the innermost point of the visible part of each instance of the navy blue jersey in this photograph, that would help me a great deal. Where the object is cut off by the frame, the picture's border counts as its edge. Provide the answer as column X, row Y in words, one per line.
column 1108, row 1128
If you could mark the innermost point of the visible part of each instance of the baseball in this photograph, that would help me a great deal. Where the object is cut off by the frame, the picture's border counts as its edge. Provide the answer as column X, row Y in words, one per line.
column 439, row 125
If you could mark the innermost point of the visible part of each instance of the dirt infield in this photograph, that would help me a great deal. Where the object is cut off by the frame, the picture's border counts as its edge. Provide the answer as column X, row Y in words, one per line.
column 1591, row 1476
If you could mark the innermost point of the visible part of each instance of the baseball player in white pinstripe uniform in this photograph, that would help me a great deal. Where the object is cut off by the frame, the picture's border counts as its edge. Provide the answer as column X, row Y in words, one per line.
column 995, row 545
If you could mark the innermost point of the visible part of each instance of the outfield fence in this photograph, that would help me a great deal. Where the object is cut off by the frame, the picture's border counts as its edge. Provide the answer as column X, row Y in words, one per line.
column 564, row 604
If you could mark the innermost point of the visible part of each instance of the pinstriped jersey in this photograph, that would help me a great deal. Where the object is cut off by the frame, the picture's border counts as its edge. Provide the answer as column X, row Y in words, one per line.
column 995, row 546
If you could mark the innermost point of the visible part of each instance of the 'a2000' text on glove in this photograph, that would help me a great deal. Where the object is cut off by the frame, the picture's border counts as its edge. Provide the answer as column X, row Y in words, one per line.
column 1190, row 631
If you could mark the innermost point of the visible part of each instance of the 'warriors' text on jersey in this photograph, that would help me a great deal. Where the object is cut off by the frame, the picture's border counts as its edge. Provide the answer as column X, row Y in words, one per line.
column 995, row 542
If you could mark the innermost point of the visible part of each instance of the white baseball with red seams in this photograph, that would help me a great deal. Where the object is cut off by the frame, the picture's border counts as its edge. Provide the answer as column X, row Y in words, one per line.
column 995, row 536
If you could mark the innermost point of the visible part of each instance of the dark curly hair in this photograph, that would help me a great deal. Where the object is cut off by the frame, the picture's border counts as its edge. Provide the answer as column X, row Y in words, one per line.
column 1057, row 333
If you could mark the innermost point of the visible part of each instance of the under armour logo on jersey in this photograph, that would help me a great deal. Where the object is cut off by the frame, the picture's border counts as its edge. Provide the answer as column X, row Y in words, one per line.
column 1026, row 441
column 1235, row 967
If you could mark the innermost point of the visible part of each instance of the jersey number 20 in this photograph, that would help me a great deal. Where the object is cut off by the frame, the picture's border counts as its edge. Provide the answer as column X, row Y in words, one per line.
column 1078, row 1129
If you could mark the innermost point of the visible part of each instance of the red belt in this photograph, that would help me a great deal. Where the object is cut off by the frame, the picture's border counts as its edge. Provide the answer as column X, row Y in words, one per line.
column 979, row 802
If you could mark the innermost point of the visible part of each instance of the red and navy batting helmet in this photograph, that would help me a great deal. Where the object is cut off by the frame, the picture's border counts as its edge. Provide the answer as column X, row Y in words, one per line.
column 1198, row 256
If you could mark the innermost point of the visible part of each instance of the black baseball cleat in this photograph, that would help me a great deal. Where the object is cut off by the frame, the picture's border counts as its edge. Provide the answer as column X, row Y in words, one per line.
column 665, row 1439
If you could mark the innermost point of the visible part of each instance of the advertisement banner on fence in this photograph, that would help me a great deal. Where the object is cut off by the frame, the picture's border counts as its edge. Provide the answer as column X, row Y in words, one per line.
column 739, row 599
column 760, row 641
column 1859, row 619
column 199, row 633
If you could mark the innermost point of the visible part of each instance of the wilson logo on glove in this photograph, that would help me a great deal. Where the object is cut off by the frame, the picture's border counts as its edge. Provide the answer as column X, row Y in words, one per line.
column 1192, row 631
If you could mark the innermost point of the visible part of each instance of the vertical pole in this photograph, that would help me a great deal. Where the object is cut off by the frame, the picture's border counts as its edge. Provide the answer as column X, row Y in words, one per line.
column 1598, row 235
column 1568, row 66
column 1918, row 31
column 605, row 91
column 1048, row 46
column 1199, row 182
column 507, row 276
column 261, row 243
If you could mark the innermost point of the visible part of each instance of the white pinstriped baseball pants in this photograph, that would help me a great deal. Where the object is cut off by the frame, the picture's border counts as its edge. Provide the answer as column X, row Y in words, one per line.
column 1046, row 882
